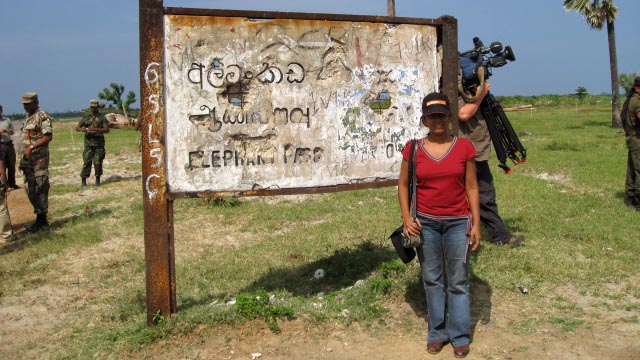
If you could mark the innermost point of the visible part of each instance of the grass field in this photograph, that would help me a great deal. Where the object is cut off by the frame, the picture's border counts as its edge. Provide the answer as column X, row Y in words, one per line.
column 252, row 261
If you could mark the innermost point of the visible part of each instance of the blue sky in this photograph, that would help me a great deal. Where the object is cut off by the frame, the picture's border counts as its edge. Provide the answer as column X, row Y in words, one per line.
column 68, row 50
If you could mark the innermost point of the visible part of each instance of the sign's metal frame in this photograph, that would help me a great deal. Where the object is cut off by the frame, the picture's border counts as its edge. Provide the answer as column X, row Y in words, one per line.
column 158, row 201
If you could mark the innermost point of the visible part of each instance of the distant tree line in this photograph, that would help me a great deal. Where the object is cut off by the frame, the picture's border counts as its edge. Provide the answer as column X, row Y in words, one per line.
column 112, row 97
column 555, row 100
column 74, row 114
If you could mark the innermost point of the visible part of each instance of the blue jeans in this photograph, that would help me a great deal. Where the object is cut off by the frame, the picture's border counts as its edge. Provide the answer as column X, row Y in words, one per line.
column 445, row 251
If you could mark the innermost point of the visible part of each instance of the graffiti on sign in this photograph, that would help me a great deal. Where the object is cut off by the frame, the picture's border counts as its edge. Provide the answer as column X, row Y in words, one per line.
column 155, row 151
column 281, row 103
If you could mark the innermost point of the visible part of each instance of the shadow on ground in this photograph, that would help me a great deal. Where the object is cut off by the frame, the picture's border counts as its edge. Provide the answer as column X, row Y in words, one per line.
column 22, row 238
column 336, row 272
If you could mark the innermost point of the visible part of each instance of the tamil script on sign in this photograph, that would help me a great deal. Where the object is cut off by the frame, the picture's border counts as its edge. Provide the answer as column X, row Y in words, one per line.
column 272, row 104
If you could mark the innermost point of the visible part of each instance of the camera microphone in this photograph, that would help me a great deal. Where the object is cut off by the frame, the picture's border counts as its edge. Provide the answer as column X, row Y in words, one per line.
column 477, row 43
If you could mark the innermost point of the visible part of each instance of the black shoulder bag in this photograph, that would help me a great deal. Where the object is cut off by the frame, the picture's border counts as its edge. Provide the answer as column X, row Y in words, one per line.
column 401, row 242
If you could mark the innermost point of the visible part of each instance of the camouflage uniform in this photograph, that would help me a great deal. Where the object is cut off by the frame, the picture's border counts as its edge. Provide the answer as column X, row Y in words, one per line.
column 632, row 129
column 36, row 168
column 94, row 151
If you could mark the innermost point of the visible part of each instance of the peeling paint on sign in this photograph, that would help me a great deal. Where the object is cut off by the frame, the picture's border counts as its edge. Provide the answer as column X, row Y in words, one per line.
column 272, row 104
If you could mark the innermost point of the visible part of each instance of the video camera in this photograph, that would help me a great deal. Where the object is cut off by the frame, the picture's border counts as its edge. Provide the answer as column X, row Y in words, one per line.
column 475, row 68
column 476, row 64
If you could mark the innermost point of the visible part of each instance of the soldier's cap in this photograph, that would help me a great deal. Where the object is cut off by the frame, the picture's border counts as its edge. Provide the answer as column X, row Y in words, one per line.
column 636, row 81
column 435, row 103
column 94, row 103
column 29, row 97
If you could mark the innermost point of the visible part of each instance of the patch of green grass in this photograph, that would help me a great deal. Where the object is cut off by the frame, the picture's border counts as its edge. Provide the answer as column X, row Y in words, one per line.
column 567, row 324
column 526, row 326
column 521, row 348
column 556, row 146
column 259, row 305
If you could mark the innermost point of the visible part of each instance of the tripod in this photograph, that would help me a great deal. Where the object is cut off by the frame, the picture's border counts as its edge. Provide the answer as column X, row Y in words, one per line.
column 504, row 138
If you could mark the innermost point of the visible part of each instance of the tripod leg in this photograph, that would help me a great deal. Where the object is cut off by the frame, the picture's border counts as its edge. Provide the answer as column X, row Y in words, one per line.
column 498, row 145
column 511, row 134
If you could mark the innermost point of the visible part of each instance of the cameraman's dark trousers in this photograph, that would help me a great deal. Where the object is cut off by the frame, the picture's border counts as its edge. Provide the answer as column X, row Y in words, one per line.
column 489, row 215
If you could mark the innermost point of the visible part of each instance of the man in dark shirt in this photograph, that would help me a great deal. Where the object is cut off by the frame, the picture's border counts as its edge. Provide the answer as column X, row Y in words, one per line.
column 473, row 126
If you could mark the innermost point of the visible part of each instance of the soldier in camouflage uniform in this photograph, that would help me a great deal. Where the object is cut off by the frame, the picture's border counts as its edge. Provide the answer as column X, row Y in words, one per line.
column 631, row 124
column 37, row 132
column 94, row 126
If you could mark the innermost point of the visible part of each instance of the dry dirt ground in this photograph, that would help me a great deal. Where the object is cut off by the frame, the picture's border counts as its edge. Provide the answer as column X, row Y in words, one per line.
column 20, row 209
column 493, row 340
column 403, row 338
column 36, row 313
column 40, row 314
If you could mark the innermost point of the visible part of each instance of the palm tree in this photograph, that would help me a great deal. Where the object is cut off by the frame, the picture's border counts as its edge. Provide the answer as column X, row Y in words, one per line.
column 597, row 13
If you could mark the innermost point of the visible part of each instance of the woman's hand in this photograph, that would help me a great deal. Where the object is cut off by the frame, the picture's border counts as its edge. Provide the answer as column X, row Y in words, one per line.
column 412, row 228
column 474, row 238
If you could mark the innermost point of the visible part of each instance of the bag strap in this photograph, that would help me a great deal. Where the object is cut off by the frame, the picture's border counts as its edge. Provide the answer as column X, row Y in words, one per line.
column 412, row 178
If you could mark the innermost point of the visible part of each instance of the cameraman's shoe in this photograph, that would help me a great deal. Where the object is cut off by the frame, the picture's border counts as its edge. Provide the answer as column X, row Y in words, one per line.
column 631, row 201
column 514, row 241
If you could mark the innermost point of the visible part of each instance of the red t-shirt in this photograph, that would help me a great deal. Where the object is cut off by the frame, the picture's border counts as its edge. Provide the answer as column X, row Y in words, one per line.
column 440, row 182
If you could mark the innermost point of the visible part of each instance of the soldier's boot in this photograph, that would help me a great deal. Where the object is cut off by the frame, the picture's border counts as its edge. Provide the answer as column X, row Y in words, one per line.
column 43, row 219
column 84, row 181
column 32, row 228
column 35, row 226
column 41, row 222
column 97, row 180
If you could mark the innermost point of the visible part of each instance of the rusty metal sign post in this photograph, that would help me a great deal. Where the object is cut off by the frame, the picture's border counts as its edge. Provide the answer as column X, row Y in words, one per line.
column 158, row 207
column 249, row 103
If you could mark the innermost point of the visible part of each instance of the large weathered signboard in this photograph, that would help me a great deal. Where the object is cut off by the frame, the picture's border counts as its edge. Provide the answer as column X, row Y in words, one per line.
column 257, row 103
column 290, row 103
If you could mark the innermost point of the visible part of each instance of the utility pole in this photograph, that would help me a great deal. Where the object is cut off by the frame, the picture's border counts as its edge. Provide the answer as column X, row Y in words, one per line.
column 391, row 7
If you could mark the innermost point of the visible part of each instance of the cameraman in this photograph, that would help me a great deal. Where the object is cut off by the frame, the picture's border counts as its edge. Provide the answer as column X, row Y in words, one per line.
column 473, row 126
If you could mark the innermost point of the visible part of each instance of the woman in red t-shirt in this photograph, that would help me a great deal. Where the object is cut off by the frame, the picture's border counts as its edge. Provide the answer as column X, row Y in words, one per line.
column 447, row 204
